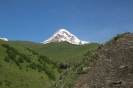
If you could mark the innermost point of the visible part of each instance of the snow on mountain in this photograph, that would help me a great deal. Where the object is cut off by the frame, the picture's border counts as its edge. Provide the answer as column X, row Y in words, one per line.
column 64, row 35
column 5, row 39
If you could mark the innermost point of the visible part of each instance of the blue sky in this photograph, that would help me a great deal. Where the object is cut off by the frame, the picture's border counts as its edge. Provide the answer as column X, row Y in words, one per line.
column 89, row 20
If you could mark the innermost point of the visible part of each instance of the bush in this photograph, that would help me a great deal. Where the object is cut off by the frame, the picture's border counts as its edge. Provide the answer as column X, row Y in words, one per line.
column 99, row 47
column 20, row 67
column 87, row 53
column 114, row 39
column 1, row 83
column 14, row 59
column 80, row 71
column 95, row 56
column 59, row 70
column 7, row 83
column 33, row 52
column 40, row 61
column 17, row 63
column 6, row 59
column 12, row 49
column 33, row 65
column 49, row 73
column 20, row 59
column 45, row 59
column 1, row 65
column 5, row 45
column 69, row 83
column 28, row 59
column 40, row 67
column 12, row 56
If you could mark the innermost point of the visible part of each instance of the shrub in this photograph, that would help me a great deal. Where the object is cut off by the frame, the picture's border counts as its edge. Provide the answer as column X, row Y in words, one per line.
column 33, row 52
column 114, row 39
column 7, row 83
column 40, row 61
column 17, row 63
column 14, row 59
column 20, row 59
column 87, row 53
column 12, row 55
column 69, row 83
column 45, row 59
column 80, row 70
column 5, row 45
column 1, row 83
column 28, row 59
column 20, row 67
column 49, row 73
column 40, row 67
column 59, row 70
column 1, row 65
column 99, row 47
column 33, row 65
column 6, row 59
column 12, row 49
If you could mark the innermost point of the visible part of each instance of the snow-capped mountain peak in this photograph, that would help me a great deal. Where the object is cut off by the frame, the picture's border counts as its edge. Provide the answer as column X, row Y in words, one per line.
column 64, row 35
column 4, row 39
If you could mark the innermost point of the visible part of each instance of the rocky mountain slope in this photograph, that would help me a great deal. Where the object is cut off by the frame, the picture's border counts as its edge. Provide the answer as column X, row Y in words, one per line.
column 114, row 69
column 64, row 35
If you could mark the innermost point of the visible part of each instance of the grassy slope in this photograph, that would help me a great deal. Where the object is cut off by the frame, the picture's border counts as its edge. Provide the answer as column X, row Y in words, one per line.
column 11, row 76
column 63, row 52
column 59, row 51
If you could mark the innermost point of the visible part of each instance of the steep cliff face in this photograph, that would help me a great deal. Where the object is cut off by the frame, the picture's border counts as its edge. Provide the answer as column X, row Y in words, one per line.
column 114, row 69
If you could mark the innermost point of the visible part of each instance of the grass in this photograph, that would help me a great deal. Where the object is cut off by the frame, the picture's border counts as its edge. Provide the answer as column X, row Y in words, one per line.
column 59, row 51
column 13, row 76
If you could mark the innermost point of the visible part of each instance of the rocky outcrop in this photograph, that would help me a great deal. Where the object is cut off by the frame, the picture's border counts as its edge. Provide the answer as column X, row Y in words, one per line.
column 114, row 69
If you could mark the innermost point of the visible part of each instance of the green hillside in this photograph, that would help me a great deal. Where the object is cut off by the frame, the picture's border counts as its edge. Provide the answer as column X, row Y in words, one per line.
column 72, row 59
column 59, row 51
column 30, row 68
column 24, row 68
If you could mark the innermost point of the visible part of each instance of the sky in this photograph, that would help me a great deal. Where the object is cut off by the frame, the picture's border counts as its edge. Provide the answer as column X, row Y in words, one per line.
column 89, row 20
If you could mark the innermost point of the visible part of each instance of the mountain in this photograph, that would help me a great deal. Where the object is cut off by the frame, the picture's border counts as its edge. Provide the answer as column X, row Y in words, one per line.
column 5, row 39
column 64, row 35
column 114, row 68
column 113, row 60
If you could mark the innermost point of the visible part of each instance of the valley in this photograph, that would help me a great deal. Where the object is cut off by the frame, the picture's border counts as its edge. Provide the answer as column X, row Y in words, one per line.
column 25, row 64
